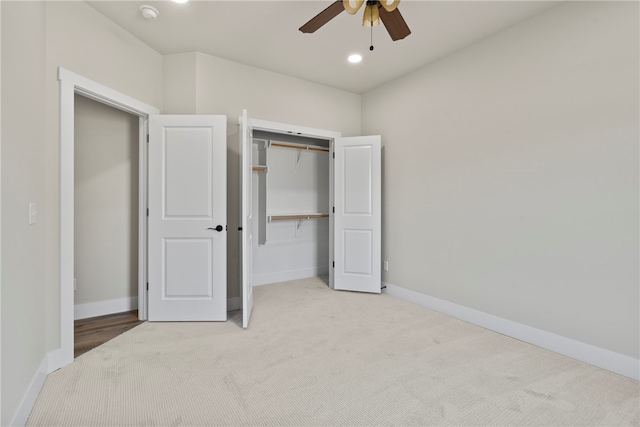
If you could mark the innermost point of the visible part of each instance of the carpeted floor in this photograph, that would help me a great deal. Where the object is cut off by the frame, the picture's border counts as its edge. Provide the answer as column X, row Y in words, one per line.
column 313, row 356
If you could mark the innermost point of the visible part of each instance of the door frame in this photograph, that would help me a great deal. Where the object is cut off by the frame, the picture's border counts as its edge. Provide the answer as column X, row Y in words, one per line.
column 70, row 85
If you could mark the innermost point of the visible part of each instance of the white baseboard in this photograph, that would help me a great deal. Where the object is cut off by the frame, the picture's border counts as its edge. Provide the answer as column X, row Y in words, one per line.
column 24, row 410
column 234, row 304
column 54, row 360
column 284, row 276
column 101, row 308
column 596, row 356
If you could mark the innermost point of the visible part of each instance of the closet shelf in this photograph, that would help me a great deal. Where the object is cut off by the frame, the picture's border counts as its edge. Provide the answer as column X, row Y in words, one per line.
column 298, row 146
column 294, row 217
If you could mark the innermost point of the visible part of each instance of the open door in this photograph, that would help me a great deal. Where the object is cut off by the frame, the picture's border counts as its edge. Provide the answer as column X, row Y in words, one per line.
column 246, row 171
column 357, row 217
column 187, row 218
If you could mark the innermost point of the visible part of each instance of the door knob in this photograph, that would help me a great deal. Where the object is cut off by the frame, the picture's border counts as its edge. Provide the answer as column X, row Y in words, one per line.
column 218, row 228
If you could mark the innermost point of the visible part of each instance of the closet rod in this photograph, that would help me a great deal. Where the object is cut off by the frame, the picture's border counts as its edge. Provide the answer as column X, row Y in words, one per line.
column 257, row 168
column 296, row 217
column 298, row 146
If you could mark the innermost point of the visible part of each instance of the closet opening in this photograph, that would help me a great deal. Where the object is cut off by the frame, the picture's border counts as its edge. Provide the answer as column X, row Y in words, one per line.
column 291, row 206
column 310, row 206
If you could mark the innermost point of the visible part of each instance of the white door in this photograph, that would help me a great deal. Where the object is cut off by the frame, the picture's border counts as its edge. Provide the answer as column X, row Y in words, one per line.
column 357, row 218
column 187, row 218
column 246, row 171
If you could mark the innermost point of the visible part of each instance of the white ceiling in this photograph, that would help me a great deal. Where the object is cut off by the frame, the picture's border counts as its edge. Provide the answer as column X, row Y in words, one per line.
column 265, row 34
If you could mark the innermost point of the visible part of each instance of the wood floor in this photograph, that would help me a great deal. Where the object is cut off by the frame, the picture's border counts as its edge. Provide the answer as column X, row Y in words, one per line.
column 92, row 332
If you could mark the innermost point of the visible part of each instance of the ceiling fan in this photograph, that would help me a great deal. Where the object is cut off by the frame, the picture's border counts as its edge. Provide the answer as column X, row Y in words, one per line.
column 375, row 10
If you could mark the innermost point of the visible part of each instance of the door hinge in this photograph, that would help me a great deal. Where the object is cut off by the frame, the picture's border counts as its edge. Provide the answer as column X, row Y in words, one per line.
column 147, row 211
column 334, row 154
column 147, row 138
column 334, row 209
column 147, row 285
column 333, row 264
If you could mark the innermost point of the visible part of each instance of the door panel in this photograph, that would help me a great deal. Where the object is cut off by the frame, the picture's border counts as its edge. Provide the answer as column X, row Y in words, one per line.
column 188, row 150
column 187, row 201
column 188, row 268
column 357, row 180
column 357, row 218
column 246, row 171
column 357, row 252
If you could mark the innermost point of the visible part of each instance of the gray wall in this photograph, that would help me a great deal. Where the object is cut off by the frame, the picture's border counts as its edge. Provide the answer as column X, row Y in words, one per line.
column 511, row 175
column 106, row 202
column 23, row 181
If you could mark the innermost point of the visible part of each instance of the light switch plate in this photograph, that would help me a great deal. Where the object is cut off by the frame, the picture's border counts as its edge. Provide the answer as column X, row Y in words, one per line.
column 33, row 213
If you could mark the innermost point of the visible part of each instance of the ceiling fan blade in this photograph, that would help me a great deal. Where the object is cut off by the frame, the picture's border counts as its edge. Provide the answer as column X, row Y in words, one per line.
column 323, row 17
column 395, row 24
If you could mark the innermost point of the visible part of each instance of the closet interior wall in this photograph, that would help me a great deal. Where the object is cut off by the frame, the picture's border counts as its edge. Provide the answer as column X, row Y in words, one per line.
column 291, row 206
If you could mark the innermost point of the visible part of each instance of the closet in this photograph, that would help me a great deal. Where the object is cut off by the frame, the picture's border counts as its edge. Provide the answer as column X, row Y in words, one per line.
column 310, row 206
column 290, row 205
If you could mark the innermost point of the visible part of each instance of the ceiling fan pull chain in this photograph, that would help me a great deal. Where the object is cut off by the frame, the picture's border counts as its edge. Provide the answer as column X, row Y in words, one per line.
column 371, row 47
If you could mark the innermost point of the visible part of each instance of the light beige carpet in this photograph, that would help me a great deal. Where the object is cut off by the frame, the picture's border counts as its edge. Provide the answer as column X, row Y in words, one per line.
column 313, row 356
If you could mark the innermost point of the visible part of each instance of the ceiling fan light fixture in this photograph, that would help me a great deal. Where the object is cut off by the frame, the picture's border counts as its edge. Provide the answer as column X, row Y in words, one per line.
column 371, row 16
column 354, row 58
column 393, row 21
column 389, row 5
column 352, row 6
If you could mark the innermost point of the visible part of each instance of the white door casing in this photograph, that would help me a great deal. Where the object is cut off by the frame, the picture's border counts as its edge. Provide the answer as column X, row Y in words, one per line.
column 357, row 217
column 187, row 218
column 246, row 172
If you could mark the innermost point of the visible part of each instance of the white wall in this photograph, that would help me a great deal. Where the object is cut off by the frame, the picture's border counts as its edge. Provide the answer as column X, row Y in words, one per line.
column 180, row 96
column 23, row 181
column 511, row 175
column 106, row 203
column 227, row 87
column 83, row 41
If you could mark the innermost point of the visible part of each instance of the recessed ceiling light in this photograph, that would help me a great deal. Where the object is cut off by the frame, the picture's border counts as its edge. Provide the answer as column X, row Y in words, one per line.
column 355, row 58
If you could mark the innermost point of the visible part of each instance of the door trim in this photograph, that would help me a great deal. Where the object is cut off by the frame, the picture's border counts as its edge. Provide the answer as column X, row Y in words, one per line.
column 71, row 84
